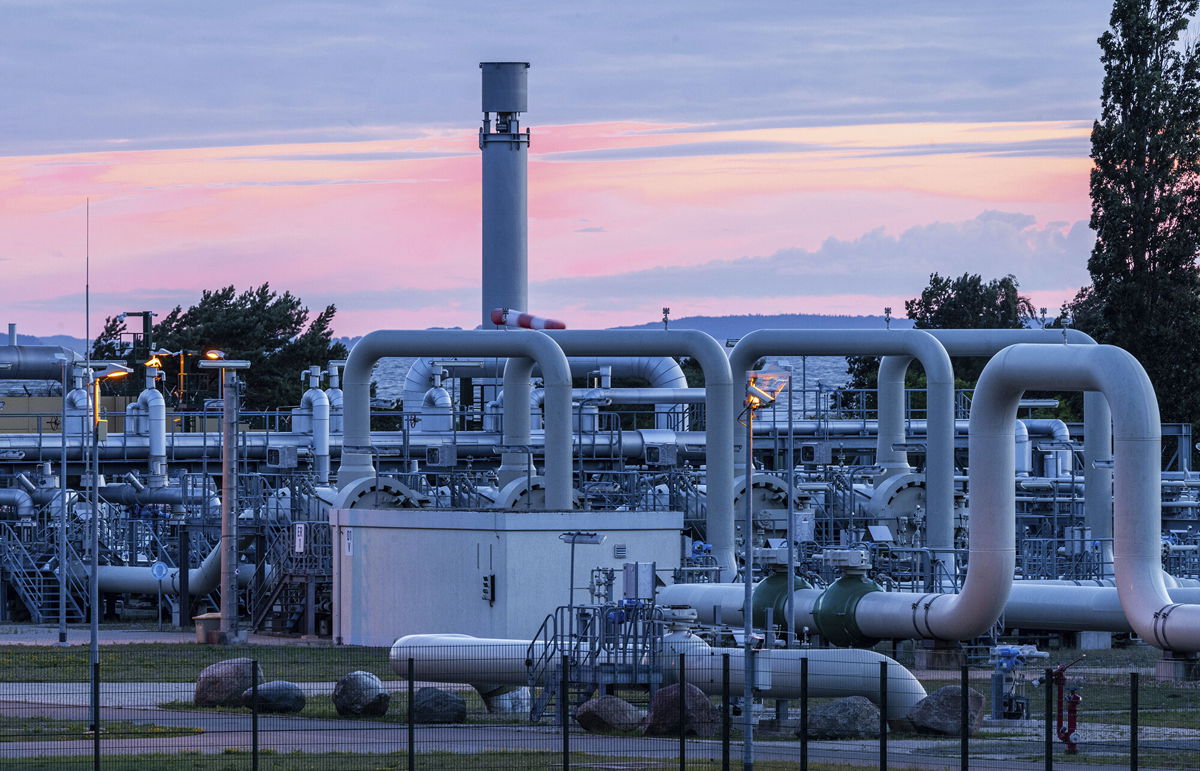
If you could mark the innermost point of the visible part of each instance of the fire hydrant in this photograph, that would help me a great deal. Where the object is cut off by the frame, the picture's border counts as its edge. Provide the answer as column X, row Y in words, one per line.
column 1067, row 733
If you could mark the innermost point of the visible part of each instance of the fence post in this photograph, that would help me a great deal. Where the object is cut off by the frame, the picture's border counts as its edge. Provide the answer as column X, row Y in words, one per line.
column 564, row 708
column 254, row 714
column 883, row 709
column 1133, row 721
column 964, row 727
column 682, row 714
column 804, row 714
column 725, row 712
column 1048, row 682
column 96, row 714
column 412, row 728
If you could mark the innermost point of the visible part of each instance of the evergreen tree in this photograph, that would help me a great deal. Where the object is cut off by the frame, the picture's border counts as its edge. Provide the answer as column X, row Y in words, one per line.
column 1145, row 189
column 275, row 332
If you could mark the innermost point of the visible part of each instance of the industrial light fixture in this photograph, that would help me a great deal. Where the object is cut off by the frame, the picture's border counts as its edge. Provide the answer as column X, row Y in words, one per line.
column 223, row 364
column 764, row 387
column 214, row 354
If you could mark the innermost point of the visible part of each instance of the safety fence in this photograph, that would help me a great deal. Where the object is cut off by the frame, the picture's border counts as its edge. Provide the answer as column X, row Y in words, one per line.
column 310, row 707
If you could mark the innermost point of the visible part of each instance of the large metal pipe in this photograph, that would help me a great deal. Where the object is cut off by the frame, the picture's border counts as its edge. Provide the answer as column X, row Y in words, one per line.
column 505, row 151
column 356, row 462
column 18, row 499
column 939, row 465
column 1097, row 421
column 492, row 664
column 316, row 403
column 120, row 579
column 719, row 398
column 151, row 402
column 891, row 412
column 35, row 362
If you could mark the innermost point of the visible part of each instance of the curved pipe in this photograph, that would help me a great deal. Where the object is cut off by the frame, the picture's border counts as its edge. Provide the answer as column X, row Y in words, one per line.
column 121, row 579
column 316, row 402
column 939, row 477
column 1097, row 421
column 18, row 499
column 891, row 416
column 720, row 402
column 356, row 444
column 489, row 664
column 151, row 403
column 1058, row 462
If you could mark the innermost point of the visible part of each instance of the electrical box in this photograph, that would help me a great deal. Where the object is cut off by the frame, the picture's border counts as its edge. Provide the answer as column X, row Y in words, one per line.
column 660, row 455
column 489, row 589
column 281, row 457
column 815, row 454
column 441, row 455
column 639, row 580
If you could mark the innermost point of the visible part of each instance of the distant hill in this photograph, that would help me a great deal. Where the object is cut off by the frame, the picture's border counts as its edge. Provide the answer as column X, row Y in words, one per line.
column 727, row 327
column 66, row 341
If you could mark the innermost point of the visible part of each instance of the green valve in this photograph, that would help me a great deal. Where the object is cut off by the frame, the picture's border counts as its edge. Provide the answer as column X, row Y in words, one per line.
column 833, row 611
column 771, row 592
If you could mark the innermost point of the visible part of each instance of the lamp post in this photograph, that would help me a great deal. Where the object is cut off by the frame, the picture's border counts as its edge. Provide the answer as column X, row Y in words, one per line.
column 761, row 390
column 573, row 537
column 112, row 370
column 228, row 631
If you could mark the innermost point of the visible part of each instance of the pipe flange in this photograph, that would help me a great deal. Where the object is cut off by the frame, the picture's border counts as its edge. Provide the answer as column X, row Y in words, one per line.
column 833, row 612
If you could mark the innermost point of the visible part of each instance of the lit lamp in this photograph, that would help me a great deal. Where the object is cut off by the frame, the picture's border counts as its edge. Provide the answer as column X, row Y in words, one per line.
column 112, row 370
column 761, row 390
column 228, row 632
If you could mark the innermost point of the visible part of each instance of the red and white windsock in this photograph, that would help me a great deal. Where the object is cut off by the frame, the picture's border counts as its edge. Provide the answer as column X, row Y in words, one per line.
column 506, row 317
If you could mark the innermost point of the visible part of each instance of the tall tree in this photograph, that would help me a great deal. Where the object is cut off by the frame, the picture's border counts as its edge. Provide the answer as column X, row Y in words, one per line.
column 275, row 332
column 1145, row 189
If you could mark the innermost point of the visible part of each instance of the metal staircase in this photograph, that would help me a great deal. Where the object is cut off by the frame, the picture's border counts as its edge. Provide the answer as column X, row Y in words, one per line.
column 579, row 651
column 30, row 565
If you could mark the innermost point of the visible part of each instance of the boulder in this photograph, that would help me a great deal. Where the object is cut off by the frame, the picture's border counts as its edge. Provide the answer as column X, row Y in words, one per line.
column 604, row 714
column 360, row 694
column 433, row 705
column 276, row 696
column 702, row 718
column 941, row 711
column 853, row 717
column 222, row 684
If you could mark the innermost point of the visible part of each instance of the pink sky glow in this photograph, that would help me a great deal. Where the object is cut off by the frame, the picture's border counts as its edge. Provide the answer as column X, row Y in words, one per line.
column 389, row 230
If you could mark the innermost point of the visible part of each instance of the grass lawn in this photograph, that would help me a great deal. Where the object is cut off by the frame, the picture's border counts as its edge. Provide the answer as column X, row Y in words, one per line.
column 23, row 729
column 181, row 663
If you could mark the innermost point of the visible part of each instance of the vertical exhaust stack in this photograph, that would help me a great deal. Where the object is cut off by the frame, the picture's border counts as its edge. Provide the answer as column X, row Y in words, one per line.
column 505, row 185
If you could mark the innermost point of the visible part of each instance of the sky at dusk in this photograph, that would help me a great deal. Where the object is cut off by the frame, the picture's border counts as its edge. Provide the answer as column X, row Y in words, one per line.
column 719, row 158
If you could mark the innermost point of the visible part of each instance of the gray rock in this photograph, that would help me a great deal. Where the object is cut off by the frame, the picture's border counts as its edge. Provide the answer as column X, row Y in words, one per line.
column 853, row 717
column 433, row 705
column 222, row 684
column 702, row 718
column 604, row 714
column 276, row 696
column 941, row 711
column 360, row 694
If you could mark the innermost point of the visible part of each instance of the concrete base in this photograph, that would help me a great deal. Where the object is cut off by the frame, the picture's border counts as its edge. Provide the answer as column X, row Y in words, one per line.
column 1178, row 667
column 935, row 654
column 1095, row 641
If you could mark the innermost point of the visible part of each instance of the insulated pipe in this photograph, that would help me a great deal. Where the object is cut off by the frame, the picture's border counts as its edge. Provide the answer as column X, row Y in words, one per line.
column 356, row 460
column 128, row 495
column 18, row 499
column 35, row 362
column 491, row 664
column 1097, row 423
column 1058, row 462
column 119, row 579
column 1022, row 457
column 515, row 464
column 316, row 402
column 720, row 401
column 151, row 403
column 891, row 416
column 939, row 465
